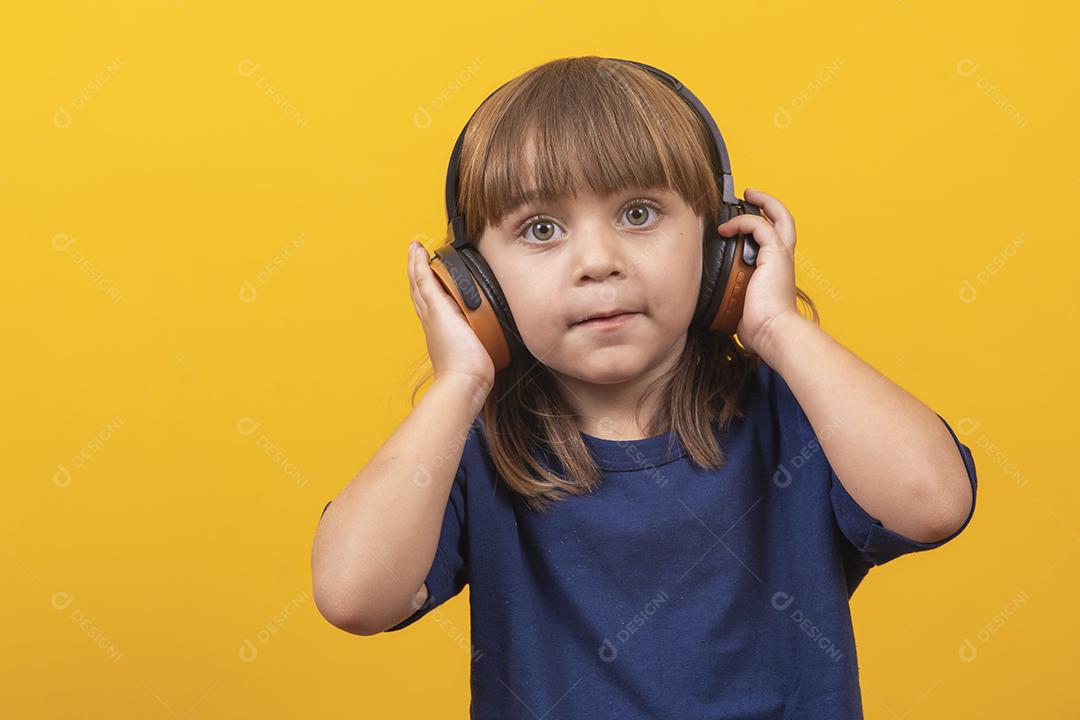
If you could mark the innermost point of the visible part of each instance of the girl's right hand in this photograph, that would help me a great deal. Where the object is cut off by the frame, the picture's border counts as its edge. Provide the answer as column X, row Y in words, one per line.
column 452, row 344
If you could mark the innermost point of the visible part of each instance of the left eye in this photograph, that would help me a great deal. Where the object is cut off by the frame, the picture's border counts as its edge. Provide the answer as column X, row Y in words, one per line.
column 638, row 214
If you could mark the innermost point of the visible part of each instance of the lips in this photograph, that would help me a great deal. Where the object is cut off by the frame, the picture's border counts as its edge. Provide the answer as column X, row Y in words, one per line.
column 604, row 314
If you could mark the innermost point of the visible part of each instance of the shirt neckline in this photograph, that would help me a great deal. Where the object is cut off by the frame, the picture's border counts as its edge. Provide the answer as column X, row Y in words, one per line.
column 640, row 454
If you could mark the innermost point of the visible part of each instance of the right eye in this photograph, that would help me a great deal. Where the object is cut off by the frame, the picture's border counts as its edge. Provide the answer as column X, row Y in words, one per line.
column 542, row 229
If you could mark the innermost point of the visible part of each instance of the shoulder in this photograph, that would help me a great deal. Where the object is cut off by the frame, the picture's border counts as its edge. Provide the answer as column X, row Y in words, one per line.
column 769, row 380
column 474, row 448
column 772, row 395
column 476, row 439
column 765, row 384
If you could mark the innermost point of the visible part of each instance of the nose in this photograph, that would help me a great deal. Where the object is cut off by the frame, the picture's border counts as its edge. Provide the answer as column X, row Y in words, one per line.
column 598, row 254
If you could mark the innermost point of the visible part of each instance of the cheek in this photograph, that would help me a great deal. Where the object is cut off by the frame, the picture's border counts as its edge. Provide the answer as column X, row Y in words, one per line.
column 673, row 288
column 536, row 313
column 528, row 295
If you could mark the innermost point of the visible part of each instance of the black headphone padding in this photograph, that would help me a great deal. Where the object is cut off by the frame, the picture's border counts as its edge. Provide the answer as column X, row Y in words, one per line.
column 485, row 278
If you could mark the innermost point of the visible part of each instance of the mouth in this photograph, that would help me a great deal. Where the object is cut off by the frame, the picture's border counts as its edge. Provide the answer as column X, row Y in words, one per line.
column 604, row 320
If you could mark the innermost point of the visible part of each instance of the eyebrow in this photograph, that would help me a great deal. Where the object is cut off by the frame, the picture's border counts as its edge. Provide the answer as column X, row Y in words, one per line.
column 531, row 196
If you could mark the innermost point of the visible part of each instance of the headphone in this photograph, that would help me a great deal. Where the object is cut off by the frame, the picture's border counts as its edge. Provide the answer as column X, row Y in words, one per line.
column 727, row 263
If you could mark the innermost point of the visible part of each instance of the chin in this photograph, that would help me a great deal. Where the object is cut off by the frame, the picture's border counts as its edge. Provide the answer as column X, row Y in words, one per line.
column 610, row 366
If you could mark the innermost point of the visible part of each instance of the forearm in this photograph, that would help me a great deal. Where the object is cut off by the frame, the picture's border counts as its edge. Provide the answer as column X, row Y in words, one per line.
column 376, row 541
column 891, row 452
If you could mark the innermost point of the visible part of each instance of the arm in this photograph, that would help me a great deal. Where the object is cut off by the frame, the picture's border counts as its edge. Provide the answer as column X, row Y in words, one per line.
column 891, row 452
column 376, row 541
column 893, row 455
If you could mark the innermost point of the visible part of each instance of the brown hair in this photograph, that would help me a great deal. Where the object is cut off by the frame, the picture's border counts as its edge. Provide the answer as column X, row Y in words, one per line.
column 603, row 124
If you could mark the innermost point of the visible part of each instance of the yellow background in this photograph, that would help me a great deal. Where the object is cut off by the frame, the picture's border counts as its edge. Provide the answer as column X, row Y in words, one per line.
column 205, row 211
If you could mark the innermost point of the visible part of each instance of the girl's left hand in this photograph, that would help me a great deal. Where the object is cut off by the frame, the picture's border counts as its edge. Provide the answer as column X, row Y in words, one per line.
column 771, row 291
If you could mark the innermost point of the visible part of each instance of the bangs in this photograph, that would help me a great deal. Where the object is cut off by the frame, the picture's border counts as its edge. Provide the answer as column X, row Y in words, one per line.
column 583, row 123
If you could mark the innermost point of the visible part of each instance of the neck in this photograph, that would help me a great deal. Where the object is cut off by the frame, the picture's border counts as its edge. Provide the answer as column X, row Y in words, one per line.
column 609, row 411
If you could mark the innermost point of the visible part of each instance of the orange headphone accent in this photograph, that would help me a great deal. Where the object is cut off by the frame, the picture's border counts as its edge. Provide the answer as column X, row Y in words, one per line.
column 727, row 263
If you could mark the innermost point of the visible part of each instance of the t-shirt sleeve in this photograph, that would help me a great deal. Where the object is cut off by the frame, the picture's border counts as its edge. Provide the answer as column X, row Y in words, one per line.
column 863, row 540
column 869, row 542
column 449, row 571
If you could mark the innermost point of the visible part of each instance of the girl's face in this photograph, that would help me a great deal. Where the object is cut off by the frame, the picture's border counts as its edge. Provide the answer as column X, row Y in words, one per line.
column 637, row 251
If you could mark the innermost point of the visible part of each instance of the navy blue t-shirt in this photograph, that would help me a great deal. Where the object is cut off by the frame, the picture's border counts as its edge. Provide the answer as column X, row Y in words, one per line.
column 670, row 591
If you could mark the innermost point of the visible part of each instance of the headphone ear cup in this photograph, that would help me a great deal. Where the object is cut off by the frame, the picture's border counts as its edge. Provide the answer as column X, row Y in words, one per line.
column 713, row 251
column 453, row 270
column 485, row 278
column 725, row 274
column 715, row 264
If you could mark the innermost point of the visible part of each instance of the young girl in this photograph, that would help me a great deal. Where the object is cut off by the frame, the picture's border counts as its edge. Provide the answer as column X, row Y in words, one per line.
column 654, row 521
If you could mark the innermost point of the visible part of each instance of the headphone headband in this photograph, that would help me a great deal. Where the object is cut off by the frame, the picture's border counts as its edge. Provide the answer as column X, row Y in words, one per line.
column 457, row 230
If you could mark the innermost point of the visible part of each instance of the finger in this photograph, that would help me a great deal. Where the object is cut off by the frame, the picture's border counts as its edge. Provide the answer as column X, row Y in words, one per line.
column 435, row 295
column 409, row 273
column 423, row 274
column 776, row 211
column 414, row 281
column 760, row 228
